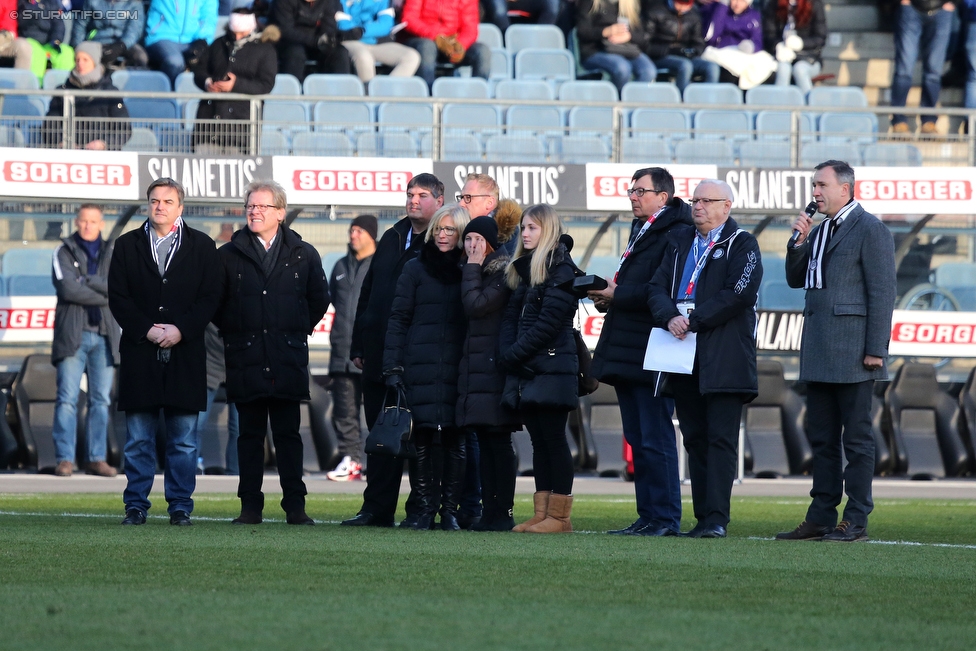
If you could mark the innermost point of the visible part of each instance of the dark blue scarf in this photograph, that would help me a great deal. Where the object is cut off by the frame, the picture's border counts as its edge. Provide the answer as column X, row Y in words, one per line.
column 92, row 250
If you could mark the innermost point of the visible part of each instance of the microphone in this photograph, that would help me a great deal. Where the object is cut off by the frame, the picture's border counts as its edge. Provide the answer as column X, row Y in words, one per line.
column 810, row 210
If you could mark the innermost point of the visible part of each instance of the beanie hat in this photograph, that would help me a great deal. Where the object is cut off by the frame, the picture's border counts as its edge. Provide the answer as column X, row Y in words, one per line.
column 92, row 49
column 367, row 223
column 486, row 228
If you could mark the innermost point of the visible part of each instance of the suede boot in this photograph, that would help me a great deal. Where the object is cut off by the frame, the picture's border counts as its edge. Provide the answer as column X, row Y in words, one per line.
column 557, row 516
column 540, row 501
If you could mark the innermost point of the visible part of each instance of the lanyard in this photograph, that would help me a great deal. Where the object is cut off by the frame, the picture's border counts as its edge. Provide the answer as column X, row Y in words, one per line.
column 700, row 261
column 630, row 246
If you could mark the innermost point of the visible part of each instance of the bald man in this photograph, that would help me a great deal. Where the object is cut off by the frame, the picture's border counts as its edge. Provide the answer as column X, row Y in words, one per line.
column 708, row 285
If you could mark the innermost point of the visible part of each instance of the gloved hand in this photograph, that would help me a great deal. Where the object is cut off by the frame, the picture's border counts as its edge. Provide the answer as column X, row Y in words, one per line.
column 113, row 51
column 794, row 42
column 393, row 380
column 784, row 54
column 353, row 34
column 325, row 43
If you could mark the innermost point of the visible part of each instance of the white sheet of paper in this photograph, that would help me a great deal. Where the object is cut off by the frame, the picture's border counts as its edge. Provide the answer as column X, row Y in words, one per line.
column 665, row 352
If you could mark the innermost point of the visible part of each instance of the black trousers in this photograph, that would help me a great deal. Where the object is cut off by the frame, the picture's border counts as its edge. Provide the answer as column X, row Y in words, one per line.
column 710, row 429
column 383, row 473
column 839, row 415
column 498, row 471
column 292, row 57
column 285, row 417
column 552, row 462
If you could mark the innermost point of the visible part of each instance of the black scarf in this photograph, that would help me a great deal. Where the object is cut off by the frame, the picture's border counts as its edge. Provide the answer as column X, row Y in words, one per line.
column 92, row 251
column 445, row 267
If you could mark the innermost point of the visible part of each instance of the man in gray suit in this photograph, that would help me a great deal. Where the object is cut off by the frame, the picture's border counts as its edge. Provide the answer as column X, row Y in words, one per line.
column 847, row 266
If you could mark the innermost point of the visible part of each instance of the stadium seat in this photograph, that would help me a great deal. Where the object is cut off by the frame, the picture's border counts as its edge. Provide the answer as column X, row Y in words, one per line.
column 386, row 86
column 587, row 91
column 289, row 116
column 321, row 144
column 720, row 93
column 836, row 97
column 145, row 109
column 523, row 89
column 579, row 150
column 28, row 262
column 34, row 391
column 814, row 153
column 671, row 124
column 11, row 137
column 142, row 140
column 417, row 119
column 723, row 125
column 514, row 149
column 923, row 424
column 591, row 121
column 892, row 155
column 774, row 426
column 490, row 35
column 273, row 143
column 524, row 120
column 458, row 147
column 764, row 153
column 322, row 85
column 519, row 37
column 343, row 116
column 551, row 66
column 30, row 285
column 848, row 127
column 650, row 93
column 54, row 78
column 460, row 87
column 21, row 106
column 502, row 66
column 769, row 95
column 645, row 148
column 776, row 125
column 144, row 81
column 475, row 118
column 704, row 152
column 386, row 145
column 184, row 83
column 286, row 84
column 16, row 78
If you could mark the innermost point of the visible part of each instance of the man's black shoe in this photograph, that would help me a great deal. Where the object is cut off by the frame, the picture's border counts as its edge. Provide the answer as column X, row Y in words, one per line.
column 180, row 519
column 847, row 532
column 409, row 522
column 299, row 517
column 639, row 523
column 713, row 531
column 805, row 531
column 655, row 530
column 247, row 517
column 134, row 516
column 363, row 519
column 696, row 532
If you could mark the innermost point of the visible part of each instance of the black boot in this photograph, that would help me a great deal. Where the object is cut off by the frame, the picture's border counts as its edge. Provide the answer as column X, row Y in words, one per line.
column 424, row 488
column 488, row 498
column 452, row 482
column 505, row 471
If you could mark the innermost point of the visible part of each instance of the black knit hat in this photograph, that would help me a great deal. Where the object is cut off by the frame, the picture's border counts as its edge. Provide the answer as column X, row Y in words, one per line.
column 367, row 223
column 486, row 227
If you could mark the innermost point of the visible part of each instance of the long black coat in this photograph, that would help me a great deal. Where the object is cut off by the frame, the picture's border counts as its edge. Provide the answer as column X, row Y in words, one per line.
column 265, row 320
column 376, row 296
column 345, row 285
column 481, row 380
column 536, row 341
column 724, row 318
column 426, row 334
column 619, row 355
column 669, row 32
column 304, row 22
column 185, row 297
column 113, row 132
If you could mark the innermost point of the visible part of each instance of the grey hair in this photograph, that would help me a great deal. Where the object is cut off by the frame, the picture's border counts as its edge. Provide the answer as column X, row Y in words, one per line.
column 722, row 185
column 844, row 172
column 277, row 193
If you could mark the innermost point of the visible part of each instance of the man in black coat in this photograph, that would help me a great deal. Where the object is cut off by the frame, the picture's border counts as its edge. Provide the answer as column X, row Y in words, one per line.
column 399, row 245
column 618, row 359
column 708, row 284
column 274, row 294
column 163, row 288
column 309, row 31
column 675, row 42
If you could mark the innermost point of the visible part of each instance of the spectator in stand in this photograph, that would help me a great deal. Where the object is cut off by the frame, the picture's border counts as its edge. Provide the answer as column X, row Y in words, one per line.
column 118, row 25
column 38, row 21
column 12, row 47
column 173, row 26
column 612, row 39
column 539, row 12
column 795, row 32
column 309, row 31
column 86, row 340
column 967, row 14
column 243, row 60
column 364, row 27
column 923, row 27
column 733, row 34
column 445, row 31
column 345, row 377
column 111, row 129
column 675, row 42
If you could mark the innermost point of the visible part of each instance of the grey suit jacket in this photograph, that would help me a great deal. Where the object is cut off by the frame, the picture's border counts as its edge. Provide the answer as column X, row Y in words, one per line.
column 850, row 317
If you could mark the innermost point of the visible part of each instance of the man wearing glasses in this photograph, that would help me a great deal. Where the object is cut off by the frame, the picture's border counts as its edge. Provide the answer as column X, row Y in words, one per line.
column 275, row 293
column 708, row 285
column 619, row 355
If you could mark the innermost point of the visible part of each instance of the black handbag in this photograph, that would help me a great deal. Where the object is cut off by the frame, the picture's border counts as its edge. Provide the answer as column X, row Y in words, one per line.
column 586, row 383
column 392, row 432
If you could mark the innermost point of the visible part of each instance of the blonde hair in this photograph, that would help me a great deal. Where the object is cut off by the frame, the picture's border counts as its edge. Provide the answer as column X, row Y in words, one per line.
column 455, row 211
column 487, row 183
column 630, row 9
column 548, row 220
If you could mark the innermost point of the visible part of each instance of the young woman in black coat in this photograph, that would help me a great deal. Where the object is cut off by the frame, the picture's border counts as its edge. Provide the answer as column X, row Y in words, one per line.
column 484, row 294
column 423, row 349
column 539, row 352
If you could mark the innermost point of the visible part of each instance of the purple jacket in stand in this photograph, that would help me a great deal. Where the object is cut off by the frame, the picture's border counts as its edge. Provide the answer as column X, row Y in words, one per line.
column 728, row 29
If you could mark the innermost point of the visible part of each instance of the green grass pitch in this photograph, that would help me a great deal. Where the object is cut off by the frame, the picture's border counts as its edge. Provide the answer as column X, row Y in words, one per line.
column 72, row 578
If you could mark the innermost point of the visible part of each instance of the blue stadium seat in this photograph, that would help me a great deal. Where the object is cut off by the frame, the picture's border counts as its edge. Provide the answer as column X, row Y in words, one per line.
column 387, row 145
column 770, row 95
column 814, row 153
column 19, row 79
column 490, row 35
column 647, row 149
column 669, row 123
column 321, row 144
column 720, row 93
column 184, row 83
column 704, row 152
column 146, row 81
column 27, row 262
column 460, row 87
column 848, row 127
column 273, row 143
column 54, row 78
column 591, row 121
column 34, row 285
column 588, row 91
column 524, row 120
column 775, row 125
column 142, row 140
column 523, row 89
column 475, row 118
column 143, row 109
column 290, row 117
column 650, row 92
column 551, row 66
column 320, row 85
column 579, row 150
column 837, row 97
column 386, row 86
column 343, row 116
column 515, row 149
column 11, row 137
column 417, row 119
column 764, row 153
column 458, row 147
column 23, row 106
column 286, row 84
column 892, row 155
column 522, row 36
column 723, row 125
column 502, row 66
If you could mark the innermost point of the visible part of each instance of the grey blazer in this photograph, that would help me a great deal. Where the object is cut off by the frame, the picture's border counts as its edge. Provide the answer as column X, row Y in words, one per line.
column 851, row 316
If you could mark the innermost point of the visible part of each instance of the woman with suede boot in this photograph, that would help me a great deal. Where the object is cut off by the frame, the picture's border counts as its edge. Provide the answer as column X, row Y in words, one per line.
column 422, row 353
column 538, row 351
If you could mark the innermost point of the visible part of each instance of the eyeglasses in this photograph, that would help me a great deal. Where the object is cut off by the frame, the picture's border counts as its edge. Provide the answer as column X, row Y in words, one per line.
column 450, row 230
column 259, row 207
column 705, row 201
column 466, row 198
column 640, row 192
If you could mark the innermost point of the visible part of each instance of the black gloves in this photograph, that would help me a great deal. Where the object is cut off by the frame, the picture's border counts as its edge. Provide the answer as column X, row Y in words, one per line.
column 113, row 51
column 353, row 34
column 325, row 43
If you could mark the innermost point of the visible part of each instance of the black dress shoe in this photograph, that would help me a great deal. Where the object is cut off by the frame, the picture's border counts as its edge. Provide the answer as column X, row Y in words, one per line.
column 450, row 523
column 639, row 523
column 696, row 532
column 805, row 531
column 655, row 530
column 180, row 519
column 363, row 519
column 847, row 532
column 299, row 517
column 713, row 531
column 134, row 516
column 409, row 522
column 247, row 517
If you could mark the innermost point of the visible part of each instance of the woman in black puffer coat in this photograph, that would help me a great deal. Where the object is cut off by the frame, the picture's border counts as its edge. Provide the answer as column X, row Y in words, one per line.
column 539, row 352
column 485, row 293
column 423, row 349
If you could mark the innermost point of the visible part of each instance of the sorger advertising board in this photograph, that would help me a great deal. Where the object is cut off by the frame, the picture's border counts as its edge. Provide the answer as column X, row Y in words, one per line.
column 69, row 174
column 319, row 181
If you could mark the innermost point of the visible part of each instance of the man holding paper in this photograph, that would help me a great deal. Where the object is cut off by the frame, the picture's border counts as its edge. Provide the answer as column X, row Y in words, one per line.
column 707, row 285
column 644, row 413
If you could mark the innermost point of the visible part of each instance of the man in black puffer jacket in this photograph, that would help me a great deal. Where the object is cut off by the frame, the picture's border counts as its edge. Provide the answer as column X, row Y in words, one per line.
column 675, row 41
column 274, row 294
column 309, row 31
column 619, row 355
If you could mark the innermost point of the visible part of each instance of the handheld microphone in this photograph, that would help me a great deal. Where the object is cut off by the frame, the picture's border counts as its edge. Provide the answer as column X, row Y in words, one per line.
column 810, row 210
